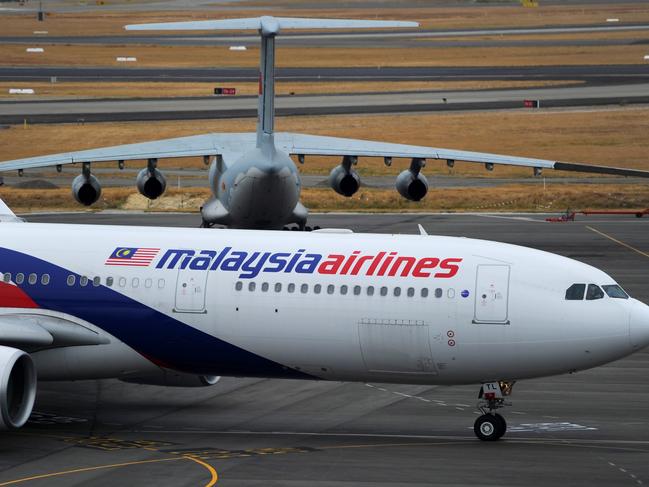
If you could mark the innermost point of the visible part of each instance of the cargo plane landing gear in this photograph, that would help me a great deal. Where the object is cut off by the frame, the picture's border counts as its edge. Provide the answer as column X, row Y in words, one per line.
column 491, row 426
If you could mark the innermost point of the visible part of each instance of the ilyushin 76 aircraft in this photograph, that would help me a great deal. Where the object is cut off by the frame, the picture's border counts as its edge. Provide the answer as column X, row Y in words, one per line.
column 183, row 307
column 254, row 181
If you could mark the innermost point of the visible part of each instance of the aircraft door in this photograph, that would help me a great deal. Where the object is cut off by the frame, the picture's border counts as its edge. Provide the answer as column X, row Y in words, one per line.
column 492, row 294
column 191, row 287
column 397, row 346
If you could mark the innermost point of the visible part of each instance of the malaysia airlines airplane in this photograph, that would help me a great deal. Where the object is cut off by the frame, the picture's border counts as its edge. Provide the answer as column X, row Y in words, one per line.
column 254, row 181
column 184, row 306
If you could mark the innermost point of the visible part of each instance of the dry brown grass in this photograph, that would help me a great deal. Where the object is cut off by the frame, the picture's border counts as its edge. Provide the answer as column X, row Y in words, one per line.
column 616, row 137
column 111, row 23
column 640, row 34
column 556, row 197
column 203, row 56
column 162, row 89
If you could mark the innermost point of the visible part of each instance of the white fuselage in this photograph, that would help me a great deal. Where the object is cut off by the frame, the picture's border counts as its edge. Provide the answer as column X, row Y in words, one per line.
column 336, row 306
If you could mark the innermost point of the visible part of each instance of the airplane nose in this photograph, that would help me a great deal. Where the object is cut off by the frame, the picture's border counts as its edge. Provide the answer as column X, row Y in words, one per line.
column 639, row 325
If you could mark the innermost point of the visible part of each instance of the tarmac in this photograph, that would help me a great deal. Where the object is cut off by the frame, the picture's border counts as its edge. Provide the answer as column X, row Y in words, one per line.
column 245, row 106
column 590, row 428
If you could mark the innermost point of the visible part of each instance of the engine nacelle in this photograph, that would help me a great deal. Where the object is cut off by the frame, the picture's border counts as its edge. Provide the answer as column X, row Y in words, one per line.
column 151, row 183
column 344, row 181
column 17, row 387
column 412, row 186
column 86, row 189
column 170, row 378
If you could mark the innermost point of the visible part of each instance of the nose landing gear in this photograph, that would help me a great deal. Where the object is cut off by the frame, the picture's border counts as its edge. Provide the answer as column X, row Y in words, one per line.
column 491, row 426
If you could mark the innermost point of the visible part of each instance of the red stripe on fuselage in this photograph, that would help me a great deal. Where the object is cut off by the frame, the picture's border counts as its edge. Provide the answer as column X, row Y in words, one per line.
column 13, row 297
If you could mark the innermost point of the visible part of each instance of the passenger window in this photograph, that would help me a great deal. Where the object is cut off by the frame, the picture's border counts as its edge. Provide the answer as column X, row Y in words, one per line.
column 97, row 281
column 450, row 293
column 147, row 283
column 397, row 291
column 238, row 286
column 343, row 289
column 278, row 287
column 71, row 280
column 122, row 281
column 45, row 279
column 424, row 292
column 20, row 278
column 575, row 292
column 411, row 292
column 438, row 292
column 264, row 287
column 7, row 277
column 330, row 289
column 291, row 288
column 161, row 283
column 357, row 290
column 370, row 290
column 594, row 292
column 109, row 281
column 83, row 281
column 135, row 282
column 33, row 279
column 615, row 291
column 317, row 288
column 304, row 288
column 251, row 286
column 384, row 291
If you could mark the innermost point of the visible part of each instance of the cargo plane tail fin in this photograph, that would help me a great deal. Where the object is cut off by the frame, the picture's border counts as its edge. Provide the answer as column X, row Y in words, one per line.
column 269, row 28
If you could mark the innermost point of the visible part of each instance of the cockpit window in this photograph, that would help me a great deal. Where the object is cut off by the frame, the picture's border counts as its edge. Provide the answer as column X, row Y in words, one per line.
column 575, row 292
column 615, row 291
column 594, row 292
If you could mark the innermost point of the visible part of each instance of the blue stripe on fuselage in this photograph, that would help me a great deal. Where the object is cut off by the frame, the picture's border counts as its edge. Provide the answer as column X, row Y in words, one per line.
column 156, row 336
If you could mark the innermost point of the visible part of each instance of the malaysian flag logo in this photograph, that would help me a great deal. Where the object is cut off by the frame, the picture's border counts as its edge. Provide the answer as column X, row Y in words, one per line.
column 132, row 256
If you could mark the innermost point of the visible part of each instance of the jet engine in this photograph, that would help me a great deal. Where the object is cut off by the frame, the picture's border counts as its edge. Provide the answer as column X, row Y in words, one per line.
column 151, row 183
column 17, row 387
column 86, row 189
column 343, row 179
column 411, row 184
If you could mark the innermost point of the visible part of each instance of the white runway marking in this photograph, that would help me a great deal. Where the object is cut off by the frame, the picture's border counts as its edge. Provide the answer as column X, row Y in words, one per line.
column 548, row 427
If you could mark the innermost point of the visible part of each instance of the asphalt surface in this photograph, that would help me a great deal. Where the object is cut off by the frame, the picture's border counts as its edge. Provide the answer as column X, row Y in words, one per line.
column 591, row 74
column 246, row 106
column 590, row 428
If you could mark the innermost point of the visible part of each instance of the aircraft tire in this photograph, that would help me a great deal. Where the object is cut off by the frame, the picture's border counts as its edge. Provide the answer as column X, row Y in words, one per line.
column 488, row 428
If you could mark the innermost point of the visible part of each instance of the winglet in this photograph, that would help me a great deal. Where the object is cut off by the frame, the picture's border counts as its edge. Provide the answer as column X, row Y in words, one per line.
column 6, row 215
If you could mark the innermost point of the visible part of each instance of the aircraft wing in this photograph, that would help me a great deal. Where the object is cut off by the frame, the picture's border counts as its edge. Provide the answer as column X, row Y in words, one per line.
column 30, row 330
column 195, row 145
column 300, row 144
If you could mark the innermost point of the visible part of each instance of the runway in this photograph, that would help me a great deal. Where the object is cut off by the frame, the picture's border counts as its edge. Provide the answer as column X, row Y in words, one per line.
column 591, row 428
column 590, row 74
column 246, row 106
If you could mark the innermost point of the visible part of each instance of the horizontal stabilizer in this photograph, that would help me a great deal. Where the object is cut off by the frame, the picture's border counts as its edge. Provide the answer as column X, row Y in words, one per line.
column 277, row 23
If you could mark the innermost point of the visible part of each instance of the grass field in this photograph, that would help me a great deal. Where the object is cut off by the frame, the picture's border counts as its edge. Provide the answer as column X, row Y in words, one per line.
column 167, row 89
column 430, row 16
column 287, row 56
column 555, row 198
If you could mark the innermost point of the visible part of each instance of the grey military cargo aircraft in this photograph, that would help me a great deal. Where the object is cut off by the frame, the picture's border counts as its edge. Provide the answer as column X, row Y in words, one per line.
column 254, row 181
